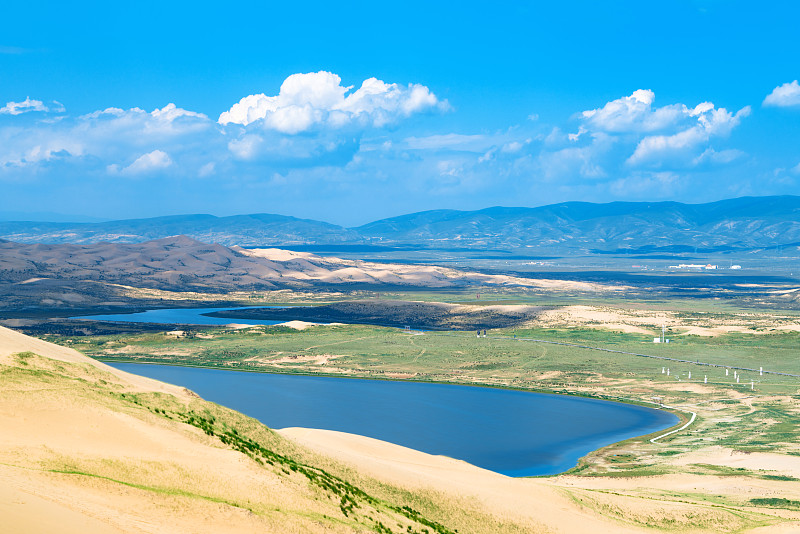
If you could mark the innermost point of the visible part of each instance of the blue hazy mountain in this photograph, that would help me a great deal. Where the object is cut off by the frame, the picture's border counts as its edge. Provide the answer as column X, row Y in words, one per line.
column 742, row 224
column 246, row 230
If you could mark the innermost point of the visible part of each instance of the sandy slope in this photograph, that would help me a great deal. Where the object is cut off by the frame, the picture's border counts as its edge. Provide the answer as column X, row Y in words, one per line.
column 526, row 501
column 645, row 321
column 13, row 342
column 552, row 501
column 778, row 463
column 75, row 458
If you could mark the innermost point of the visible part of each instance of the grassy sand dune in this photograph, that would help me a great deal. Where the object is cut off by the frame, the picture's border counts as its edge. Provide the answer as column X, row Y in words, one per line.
column 524, row 501
column 664, row 503
column 98, row 450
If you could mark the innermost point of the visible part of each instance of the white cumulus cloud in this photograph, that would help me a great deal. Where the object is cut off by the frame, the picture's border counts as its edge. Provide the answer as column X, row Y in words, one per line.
column 786, row 95
column 170, row 112
column 632, row 135
column 146, row 163
column 169, row 121
column 635, row 113
column 683, row 145
column 318, row 98
column 17, row 108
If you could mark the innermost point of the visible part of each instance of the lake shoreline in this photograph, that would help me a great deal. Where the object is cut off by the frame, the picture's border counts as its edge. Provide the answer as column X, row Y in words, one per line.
column 580, row 461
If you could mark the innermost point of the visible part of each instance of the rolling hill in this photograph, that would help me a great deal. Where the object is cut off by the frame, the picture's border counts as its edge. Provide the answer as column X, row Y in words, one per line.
column 113, row 275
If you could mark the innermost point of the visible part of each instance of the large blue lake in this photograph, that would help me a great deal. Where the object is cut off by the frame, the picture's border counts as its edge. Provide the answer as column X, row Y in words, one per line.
column 516, row 433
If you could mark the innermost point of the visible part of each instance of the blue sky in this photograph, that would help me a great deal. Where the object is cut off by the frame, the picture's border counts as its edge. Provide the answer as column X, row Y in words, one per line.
column 356, row 111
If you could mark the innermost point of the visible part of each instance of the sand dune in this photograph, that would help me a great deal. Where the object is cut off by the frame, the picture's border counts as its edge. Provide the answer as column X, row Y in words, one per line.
column 646, row 321
column 73, row 451
column 12, row 342
column 777, row 463
column 337, row 270
column 557, row 503
column 530, row 502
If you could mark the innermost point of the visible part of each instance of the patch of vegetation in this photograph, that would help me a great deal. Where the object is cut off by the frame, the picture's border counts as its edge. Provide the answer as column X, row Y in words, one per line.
column 780, row 477
column 719, row 470
column 634, row 472
column 23, row 357
column 775, row 502
column 621, row 458
column 154, row 489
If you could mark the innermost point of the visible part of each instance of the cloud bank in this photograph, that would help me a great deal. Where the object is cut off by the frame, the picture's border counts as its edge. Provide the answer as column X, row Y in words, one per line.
column 318, row 140
column 630, row 140
column 319, row 99
column 683, row 145
column 111, row 139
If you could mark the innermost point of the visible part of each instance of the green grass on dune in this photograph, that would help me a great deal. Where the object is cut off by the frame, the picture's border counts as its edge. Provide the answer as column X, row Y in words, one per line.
column 346, row 497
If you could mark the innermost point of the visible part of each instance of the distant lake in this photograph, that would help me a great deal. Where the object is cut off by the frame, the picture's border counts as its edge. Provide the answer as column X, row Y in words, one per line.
column 515, row 433
column 179, row 316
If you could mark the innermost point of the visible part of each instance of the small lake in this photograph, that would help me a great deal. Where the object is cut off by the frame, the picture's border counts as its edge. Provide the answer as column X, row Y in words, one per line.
column 179, row 316
column 515, row 433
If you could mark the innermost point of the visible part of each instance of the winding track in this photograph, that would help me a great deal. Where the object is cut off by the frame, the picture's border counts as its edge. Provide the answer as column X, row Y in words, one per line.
column 691, row 420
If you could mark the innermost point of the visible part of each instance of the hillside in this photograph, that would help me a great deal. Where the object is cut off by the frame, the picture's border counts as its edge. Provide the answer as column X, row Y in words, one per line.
column 744, row 224
column 63, row 276
column 89, row 449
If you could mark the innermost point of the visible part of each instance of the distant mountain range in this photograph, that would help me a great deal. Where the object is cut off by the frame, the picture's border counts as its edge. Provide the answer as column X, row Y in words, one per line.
column 741, row 224
column 244, row 230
